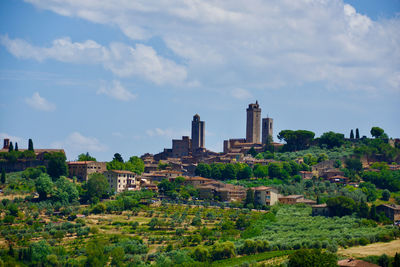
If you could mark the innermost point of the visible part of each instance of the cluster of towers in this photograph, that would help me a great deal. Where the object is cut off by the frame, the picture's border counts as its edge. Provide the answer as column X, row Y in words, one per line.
column 253, row 126
column 196, row 144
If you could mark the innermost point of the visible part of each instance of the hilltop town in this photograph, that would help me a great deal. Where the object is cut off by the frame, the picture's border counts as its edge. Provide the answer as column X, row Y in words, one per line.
column 197, row 196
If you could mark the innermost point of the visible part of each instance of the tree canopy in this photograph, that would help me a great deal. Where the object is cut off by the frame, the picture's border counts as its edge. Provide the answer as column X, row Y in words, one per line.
column 57, row 165
column 30, row 145
column 331, row 139
column 134, row 164
column 44, row 186
column 96, row 186
column 65, row 191
column 377, row 132
column 118, row 157
column 86, row 157
column 312, row 258
column 341, row 206
column 296, row 140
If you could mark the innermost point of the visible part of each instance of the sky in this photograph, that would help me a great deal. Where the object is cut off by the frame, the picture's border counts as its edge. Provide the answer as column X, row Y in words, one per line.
column 128, row 76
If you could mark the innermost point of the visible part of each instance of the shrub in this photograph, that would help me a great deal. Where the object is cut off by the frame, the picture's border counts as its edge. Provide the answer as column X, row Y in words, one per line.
column 363, row 241
column 385, row 195
column 99, row 208
column 312, row 258
column 201, row 253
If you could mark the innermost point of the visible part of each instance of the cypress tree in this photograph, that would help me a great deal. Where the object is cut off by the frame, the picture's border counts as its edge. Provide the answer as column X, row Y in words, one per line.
column 396, row 262
column 351, row 134
column 16, row 146
column 249, row 197
column 11, row 147
column 357, row 134
column 3, row 176
column 30, row 145
column 372, row 213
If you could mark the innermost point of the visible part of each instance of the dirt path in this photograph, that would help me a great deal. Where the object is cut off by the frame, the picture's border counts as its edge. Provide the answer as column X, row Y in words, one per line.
column 377, row 249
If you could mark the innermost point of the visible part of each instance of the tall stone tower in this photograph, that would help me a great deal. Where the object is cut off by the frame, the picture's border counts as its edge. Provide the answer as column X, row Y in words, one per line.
column 267, row 129
column 253, row 123
column 198, row 133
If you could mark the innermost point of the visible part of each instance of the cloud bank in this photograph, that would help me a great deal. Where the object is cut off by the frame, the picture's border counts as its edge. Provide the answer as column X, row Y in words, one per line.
column 121, row 59
column 246, row 44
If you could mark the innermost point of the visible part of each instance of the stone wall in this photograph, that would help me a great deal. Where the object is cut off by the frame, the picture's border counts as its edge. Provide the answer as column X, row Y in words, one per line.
column 21, row 165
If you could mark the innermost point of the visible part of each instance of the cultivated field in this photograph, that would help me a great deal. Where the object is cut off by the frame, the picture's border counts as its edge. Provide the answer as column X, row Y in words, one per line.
column 375, row 249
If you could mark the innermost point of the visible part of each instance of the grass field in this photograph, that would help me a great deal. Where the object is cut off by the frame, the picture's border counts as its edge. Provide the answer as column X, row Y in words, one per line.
column 375, row 249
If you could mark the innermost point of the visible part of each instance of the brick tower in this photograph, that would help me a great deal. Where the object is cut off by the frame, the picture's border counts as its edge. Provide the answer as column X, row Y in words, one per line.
column 253, row 123
column 267, row 129
column 198, row 133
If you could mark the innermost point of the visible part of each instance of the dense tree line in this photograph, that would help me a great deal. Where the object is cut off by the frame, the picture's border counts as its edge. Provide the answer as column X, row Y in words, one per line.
column 312, row 258
column 240, row 171
column 377, row 148
column 134, row 164
column 384, row 179
column 176, row 189
column 345, row 206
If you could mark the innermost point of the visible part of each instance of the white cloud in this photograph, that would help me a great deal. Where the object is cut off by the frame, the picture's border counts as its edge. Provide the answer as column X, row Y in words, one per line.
column 168, row 133
column 39, row 103
column 252, row 44
column 76, row 143
column 242, row 94
column 120, row 59
column 117, row 91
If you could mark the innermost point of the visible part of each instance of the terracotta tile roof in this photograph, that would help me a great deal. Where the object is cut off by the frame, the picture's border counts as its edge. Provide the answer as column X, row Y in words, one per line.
column 355, row 263
column 79, row 162
column 292, row 196
column 261, row 188
column 197, row 178
column 122, row 171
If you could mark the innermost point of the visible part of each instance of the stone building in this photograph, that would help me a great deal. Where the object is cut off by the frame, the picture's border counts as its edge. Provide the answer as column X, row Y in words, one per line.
column 186, row 146
column 295, row 199
column 267, row 129
column 306, row 175
column 181, row 147
column 82, row 169
column 240, row 146
column 21, row 164
column 253, row 123
column 6, row 143
column 198, row 133
column 196, row 181
column 223, row 192
column 120, row 180
column 265, row 195
column 391, row 211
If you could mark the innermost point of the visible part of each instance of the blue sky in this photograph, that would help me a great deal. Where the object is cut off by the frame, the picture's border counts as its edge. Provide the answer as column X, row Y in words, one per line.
column 128, row 77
